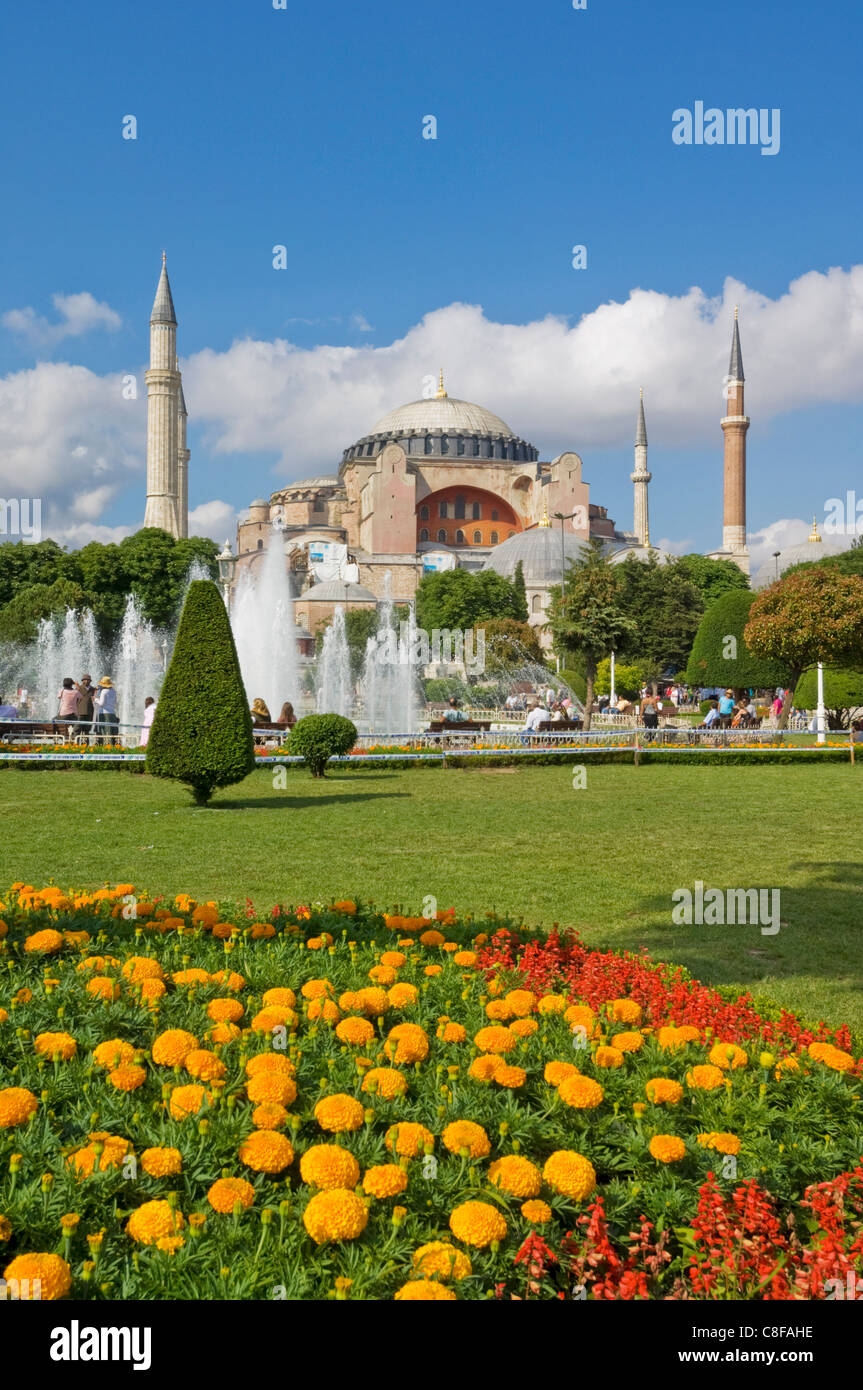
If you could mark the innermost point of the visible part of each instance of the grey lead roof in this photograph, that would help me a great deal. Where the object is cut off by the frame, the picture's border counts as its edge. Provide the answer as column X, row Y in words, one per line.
column 735, row 369
column 641, row 428
column 163, row 304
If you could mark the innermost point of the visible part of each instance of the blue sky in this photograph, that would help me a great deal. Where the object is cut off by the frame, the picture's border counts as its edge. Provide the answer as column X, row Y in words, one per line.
column 303, row 127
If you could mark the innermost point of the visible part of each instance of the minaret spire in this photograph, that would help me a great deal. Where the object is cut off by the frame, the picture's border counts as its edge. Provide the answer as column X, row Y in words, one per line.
column 163, row 414
column 734, row 427
column 640, row 477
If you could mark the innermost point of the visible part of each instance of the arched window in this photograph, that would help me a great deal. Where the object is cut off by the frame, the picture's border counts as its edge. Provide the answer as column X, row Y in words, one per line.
column 444, row 444
column 460, row 444
column 536, row 603
column 494, row 537
column 477, row 537
column 260, row 545
column 476, row 448
column 475, row 511
column 318, row 504
column 428, row 444
column 424, row 534
column 459, row 537
column 424, row 513
column 442, row 510
column 494, row 515
column 441, row 535
column 459, row 508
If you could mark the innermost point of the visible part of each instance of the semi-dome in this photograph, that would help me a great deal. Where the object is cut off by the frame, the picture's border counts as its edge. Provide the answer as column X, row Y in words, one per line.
column 326, row 480
column 815, row 548
column 539, row 551
column 336, row 591
column 443, row 427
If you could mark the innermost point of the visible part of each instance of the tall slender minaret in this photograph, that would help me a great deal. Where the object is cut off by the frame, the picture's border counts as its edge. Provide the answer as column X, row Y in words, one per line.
column 640, row 478
column 183, row 456
column 734, row 427
column 163, row 412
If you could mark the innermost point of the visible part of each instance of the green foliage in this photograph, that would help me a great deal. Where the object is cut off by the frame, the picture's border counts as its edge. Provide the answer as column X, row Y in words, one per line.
column 576, row 682
column 627, row 679
column 664, row 607
column 460, row 599
column 520, row 592
column 19, row 619
column 319, row 737
column 843, row 694
column 509, row 642
column 202, row 730
column 437, row 690
column 588, row 617
column 712, row 578
column 721, row 631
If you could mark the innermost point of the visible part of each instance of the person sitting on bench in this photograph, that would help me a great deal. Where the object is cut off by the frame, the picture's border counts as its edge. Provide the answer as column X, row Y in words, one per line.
column 7, row 711
column 454, row 715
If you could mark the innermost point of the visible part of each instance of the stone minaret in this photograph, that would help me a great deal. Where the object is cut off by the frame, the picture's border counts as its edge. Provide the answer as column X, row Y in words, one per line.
column 734, row 427
column 183, row 456
column 163, row 413
column 640, row 478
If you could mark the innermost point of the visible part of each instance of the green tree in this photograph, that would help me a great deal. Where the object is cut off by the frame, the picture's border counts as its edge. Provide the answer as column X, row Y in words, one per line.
column 319, row 737
column 588, row 616
column 460, row 599
column 19, row 619
column 712, row 578
column 627, row 679
column 719, row 653
column 843, row 694
column 520, row 593
column 509, row 643
column 202, row 730
column 664, row 608
column 815, row 614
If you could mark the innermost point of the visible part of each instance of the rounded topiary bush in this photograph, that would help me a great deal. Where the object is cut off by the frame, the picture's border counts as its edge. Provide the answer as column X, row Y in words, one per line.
column 202, row 730
column 319, row 737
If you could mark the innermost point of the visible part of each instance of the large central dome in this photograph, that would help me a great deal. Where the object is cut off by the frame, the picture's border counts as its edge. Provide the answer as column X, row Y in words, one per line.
column 441, row 428
column 442, row 414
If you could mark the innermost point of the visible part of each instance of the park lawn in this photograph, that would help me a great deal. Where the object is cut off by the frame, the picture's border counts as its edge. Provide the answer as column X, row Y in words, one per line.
column 605, row 859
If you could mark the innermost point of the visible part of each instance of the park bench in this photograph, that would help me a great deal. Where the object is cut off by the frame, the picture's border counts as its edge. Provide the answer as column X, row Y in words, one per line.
column 558, row 726
column 459, row 726
column 24, row 730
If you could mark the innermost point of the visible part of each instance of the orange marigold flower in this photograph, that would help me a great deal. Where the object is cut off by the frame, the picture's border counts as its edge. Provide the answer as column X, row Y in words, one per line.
column 424, row 1291
column 260, row 931
column 536, row 1212
column 628, row 1042
column 162, row 1162
column 625, row 1011
column 608, row 1057
column 272, row 1087
column 339, row 1112
column 269, row 1115
column 103, row 987
column 170, row 1244
column 114, row 1153
column 496, row 1040
column 225, row 1010
column 464, row 1134
column 385, row 1180
column 223, row 1033
column 329, row 1166
column 407, row 1042
column 524, row 1027
column 385, row 1082
column 327, row 1009
column 204, row 1065
column 280, row 995
column 152, row 1221
column 127, row 1077
column 432, row 969
column 276, row 1016
column 171, row 1048
column 570, row 1173
column 138, row 968
column 832, row 1057
column 432, row 938
column 60, row 1045
column 39, row 1277
column 705, row 1078
column 515, row 1175
column 555, row 1072
column 552, row 1004
column 667, row 1148
column 46, row 942
column 408, row 1139
column 442, row 1261
column 318, row 989
column 187, row 1100
column 403, row 995
column 152, row 989
column 728, row 1056
column 478, row 1224
column 511, row 1077
column 16, row 1106
column 230, row 979
column 722, row 1143
column 382, row 974
column 465, row 958
column 113, row 1052
column 224, row 1194
column 483, row 1068
column 452, row 1032
column 266, row 1152
column 335, row 1214
column 580, row 1016
column 521, row 1001
column 191, row 977
column 356, row 1032
column 498, row 1010
column 346, row 905
column 272, row 1062
column 661, row 1090
column 581, row 1092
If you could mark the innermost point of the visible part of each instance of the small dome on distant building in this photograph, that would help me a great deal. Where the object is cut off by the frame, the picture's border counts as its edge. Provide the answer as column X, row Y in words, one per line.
column 305, row 484
column 817, row 547
column 640, row 552
column 336, row 591
column 539, row 551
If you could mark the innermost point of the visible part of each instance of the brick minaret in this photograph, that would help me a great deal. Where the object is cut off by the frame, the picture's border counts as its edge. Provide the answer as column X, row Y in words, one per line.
column 734, row 427
column 640, row 478
column 163, row 413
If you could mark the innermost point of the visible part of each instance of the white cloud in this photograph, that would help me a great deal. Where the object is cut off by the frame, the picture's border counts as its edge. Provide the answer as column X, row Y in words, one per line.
column 360, row 322
column 779, row 535
column 77, row 535
column 218, row 520
column 79, row 314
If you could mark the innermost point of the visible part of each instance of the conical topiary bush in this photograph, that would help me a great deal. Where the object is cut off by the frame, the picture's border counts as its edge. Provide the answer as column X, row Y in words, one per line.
column 202, row 730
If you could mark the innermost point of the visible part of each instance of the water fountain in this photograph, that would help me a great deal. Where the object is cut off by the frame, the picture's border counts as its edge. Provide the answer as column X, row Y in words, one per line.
column 334, row 685
column 67, row 646
column 137, row 668
column 262, row 620
column 390, row 673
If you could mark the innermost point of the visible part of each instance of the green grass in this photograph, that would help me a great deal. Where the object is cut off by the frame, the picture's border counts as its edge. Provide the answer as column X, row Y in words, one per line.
column 605, row 859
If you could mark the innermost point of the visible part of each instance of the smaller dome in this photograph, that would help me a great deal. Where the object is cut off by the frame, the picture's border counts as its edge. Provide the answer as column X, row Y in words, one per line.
column 539, row 551
column 799, row 555
column 640, row 552
column 335, row 591
column 260, row 502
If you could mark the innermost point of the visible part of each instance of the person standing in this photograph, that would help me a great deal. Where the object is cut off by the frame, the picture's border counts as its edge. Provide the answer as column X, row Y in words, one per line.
column 105, row 707
column 149, row 712
column 85, row 705
column 68, row 700
column 726, row 709
column 649, row 711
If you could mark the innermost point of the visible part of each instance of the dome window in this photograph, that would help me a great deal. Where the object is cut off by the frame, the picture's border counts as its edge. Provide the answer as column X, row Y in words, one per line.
column 441, row 535
column 428, row 446
column 536, row 603
column 444, row 444
column 494, row 537
column 260, row 545
column 424, row 534
column 459, row 537
column 475, row 443
column 460, row 445
column 477, row 537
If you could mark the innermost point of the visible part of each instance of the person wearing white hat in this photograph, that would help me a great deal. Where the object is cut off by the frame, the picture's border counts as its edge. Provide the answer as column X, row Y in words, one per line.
column 105, row 706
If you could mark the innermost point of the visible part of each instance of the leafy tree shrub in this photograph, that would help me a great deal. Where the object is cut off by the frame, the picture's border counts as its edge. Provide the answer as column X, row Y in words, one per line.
column 202, row 730
column 627, row 679
column 843, row 694
column 720, row 655
column 319, row 737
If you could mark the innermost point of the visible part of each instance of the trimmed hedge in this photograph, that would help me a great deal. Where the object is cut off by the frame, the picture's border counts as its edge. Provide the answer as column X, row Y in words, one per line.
column 319, row 737
column 202, row 730
column 707, row 665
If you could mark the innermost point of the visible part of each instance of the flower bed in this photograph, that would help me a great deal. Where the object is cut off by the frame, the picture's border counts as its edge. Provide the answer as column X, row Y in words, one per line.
column 203, row 1102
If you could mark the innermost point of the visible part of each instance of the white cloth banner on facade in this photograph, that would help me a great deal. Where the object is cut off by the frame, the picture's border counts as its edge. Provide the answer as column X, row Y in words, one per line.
column 328, row 559
column 436, row 561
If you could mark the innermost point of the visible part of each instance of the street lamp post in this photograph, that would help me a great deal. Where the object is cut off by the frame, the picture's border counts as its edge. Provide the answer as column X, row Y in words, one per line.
column 227, row 562
column 820, row 712
column 776, row 555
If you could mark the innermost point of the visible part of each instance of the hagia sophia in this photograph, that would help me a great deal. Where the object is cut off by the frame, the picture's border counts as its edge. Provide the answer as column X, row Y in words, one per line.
column 435, row 484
